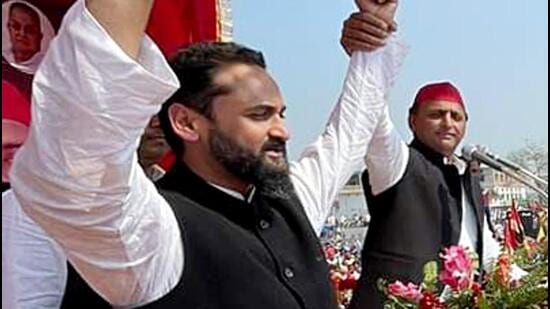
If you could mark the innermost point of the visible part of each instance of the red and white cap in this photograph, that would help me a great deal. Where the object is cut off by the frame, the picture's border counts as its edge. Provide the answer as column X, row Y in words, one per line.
column 444, row 91
column 15, row 106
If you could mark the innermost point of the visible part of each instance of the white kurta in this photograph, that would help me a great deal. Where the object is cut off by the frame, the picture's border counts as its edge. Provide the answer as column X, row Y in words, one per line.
column 78, row 178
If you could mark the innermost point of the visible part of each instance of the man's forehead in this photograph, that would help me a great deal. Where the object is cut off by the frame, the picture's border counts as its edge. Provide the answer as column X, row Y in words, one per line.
column 249, row 82
column 10, row 124
column 241, row 73
column 268, row 104
column 442, row 105
column 230, row 72
column 13, row 134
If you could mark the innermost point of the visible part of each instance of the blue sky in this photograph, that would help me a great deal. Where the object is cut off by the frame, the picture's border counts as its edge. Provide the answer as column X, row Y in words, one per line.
column 496, row 51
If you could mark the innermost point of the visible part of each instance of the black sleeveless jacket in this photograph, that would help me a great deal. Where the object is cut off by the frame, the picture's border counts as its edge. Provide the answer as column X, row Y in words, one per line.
column 413, row 221
column 262, row 254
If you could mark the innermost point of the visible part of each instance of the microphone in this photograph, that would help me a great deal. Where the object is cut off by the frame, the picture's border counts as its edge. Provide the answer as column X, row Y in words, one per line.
column 470, row 152
column 515, row 167
column 503, row 161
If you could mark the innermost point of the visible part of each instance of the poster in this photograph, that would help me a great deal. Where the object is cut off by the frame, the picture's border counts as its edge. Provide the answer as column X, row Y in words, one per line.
column 28, row 26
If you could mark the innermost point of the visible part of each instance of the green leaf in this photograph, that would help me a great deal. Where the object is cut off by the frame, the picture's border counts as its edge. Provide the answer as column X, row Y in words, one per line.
column 483, row 303
column 430, row 276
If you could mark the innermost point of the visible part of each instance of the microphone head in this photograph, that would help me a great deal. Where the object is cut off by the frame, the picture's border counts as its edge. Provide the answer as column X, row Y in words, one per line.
column 483, row 149
column 468, row 152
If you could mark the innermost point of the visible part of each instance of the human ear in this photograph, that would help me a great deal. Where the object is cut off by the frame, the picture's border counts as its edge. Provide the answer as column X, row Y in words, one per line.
column 183, row 121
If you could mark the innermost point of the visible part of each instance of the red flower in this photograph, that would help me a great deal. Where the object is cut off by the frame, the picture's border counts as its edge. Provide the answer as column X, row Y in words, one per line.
column 429, row 301
column 458, row 272
column 409, row 292
column 330, row 252
column 503, row 269
column 476, row 288
column 532, row 246
column 478, row 292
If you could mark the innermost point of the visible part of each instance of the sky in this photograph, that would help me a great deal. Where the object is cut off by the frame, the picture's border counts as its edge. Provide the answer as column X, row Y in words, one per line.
column 495, row 51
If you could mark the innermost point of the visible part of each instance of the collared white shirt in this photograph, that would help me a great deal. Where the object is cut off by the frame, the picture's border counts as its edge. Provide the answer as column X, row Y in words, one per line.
column 236, row 194
column 77, row 175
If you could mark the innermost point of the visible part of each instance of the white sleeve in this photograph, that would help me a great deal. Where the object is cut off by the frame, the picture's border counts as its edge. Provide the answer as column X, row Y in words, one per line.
column 77, row 175
column 326, row 165
column 387, row 156
column 34, row 268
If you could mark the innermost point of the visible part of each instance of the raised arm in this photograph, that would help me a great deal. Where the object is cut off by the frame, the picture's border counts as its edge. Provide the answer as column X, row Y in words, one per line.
column 327, row 165
column 124, row 20
column 387, row 155
column 77, row 175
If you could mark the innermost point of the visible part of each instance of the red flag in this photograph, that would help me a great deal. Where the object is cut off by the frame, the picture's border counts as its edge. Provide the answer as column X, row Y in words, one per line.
column 177, row 23
column 513, row 232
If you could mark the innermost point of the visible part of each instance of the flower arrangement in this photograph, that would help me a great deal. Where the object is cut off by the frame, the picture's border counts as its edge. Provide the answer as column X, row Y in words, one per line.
column 517, row 279
column 506, row 286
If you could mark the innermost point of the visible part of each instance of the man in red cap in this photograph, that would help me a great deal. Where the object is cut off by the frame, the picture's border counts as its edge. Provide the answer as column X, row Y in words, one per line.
column 15, row 126
column 438, row 117
column 421, row 197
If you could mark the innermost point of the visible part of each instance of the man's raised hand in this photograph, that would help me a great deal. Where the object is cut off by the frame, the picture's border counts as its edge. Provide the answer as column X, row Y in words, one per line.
column 384, row 9
column 364, row 31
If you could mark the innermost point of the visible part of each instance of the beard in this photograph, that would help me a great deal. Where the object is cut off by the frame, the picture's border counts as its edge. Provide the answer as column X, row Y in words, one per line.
column 271, row 178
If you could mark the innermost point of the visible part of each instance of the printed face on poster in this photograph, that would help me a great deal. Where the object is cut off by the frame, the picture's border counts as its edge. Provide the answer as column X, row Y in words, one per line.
column 15, row 125
column 26, row 34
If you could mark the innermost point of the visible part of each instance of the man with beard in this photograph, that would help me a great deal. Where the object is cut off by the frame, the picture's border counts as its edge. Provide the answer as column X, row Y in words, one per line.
column 221, row 233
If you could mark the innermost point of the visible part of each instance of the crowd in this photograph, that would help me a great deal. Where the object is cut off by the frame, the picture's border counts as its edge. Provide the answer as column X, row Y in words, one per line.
column 343, row 248
column 343, row 255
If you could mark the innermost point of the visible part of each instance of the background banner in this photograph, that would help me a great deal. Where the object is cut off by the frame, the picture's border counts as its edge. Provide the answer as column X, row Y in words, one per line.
column 29, row 25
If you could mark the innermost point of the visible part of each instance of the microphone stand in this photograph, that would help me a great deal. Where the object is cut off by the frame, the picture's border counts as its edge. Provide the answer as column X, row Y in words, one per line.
column 518, row 169
column 508, row 171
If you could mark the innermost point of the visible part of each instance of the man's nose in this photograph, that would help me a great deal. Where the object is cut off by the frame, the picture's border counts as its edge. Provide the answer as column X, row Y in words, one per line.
column 447, row 120
column 280, row 131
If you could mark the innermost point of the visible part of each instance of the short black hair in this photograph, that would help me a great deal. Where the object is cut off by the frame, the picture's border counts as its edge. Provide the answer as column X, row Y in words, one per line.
column 413, row 109
column 195, row 68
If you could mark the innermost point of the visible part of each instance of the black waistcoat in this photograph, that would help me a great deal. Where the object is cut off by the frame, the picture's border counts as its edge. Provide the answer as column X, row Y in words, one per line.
column 78, row 294
column 413, row 221
column 237, row 255
column 262, row 254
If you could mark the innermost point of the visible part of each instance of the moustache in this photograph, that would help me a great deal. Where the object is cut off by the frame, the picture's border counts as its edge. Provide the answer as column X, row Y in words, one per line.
column 274, row 145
